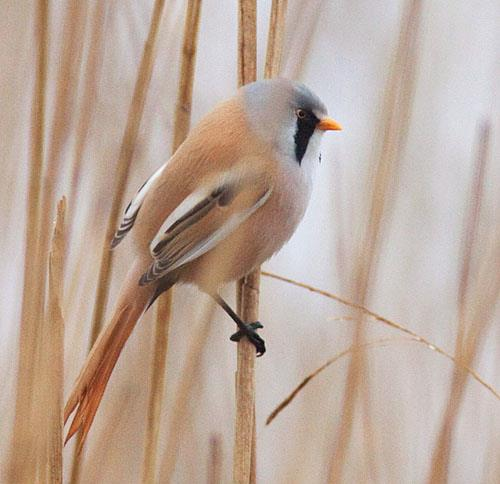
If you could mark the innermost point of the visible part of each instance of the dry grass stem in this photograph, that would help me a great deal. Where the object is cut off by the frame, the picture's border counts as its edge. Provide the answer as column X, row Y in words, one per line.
column 21, row 466
column 303, row 25
column 157, row 386
column 247, row 41
column 128, row 143
column 370, row 344
column 472, row 228
column 391, row 324
column 66, row 83
column 126, row 152
column 164, row 311
column 244, row 450
column 275, row 38
column 244, row 462
column 91, row 78
column 87, row 105
column 186, row 80
column 244, row 453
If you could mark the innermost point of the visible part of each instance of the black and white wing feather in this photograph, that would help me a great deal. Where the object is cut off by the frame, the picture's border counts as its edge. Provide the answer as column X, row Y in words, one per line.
column 133, row 208
column 201, row 221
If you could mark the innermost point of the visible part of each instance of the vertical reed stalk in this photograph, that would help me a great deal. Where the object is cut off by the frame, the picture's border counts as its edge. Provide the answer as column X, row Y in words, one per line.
column 244, row 462
column 22, row 458
column 89, row 98
column 128, row 143
column 186, row 80
column 303, row 25
column 396, row 113
column 65, row 98
column 275, row 39
column 157, row 386
column 66, row 87
column 86, row 108
column 164, row 305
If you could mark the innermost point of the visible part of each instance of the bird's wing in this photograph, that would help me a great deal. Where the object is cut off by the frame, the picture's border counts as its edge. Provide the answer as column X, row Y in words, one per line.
column 202, row 220
column 133, row 208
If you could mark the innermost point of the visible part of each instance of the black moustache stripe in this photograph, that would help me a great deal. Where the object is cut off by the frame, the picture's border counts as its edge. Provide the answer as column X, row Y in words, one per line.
column 305, row 129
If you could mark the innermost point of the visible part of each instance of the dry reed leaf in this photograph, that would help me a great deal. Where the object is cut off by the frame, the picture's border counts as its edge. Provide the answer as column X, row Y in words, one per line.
column 389, row 323
column 164, row 306
column 53, row 351
column 370, row 344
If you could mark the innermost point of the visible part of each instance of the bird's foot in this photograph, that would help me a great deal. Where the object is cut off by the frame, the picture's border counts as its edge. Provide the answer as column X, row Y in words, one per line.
column 250, row 332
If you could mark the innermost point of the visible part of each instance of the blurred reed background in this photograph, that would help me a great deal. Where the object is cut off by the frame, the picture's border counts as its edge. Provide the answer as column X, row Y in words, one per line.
column 403, row 226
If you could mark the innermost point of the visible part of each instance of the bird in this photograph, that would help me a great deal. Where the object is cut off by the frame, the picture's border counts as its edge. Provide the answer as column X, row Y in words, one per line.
column 229, row 198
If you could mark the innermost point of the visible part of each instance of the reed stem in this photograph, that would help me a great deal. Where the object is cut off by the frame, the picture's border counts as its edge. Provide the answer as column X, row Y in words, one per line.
column 164, row 311
column 157, row 388
column 23, row 458
column 244, row 462
column 128, row 143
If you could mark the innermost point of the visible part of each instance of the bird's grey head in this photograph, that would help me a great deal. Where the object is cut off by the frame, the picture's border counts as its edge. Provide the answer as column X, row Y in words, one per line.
column 287, row 115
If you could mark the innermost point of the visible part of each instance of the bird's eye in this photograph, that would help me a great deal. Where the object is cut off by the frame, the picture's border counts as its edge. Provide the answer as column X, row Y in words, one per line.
column 301, row 114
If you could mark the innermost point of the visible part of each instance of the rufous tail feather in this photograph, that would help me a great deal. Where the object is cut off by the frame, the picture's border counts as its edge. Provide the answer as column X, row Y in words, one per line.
column 91, row 383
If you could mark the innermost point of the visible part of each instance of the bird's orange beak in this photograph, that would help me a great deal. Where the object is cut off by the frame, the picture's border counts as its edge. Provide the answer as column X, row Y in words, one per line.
column 329, row 124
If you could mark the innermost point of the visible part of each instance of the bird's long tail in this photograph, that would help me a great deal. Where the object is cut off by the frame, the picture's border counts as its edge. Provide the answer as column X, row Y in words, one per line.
column 91, row 383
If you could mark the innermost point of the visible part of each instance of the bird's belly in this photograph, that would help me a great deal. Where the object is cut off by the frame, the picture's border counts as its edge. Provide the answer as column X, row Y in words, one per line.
column 253, row 242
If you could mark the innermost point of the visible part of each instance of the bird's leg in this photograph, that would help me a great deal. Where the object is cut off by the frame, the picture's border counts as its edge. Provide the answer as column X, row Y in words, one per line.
column 245, row 329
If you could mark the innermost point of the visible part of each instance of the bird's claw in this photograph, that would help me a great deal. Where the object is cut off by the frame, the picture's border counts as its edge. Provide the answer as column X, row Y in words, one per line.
column 240, row 333
column 252, row 335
